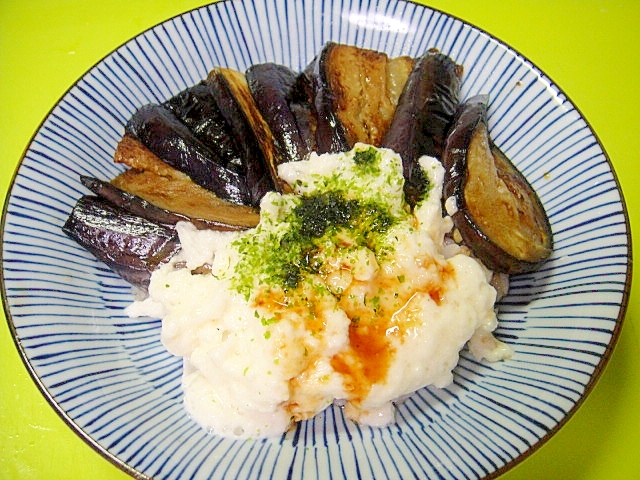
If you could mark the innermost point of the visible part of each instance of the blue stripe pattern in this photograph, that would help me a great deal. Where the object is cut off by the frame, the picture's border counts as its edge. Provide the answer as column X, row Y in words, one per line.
column 112, row 380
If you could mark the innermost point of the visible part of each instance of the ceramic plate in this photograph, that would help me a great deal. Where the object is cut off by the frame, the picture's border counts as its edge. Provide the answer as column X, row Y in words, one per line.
column 113, row 382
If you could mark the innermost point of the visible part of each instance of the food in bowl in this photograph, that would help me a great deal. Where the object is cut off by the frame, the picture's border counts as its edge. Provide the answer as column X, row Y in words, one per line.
column 353, row 286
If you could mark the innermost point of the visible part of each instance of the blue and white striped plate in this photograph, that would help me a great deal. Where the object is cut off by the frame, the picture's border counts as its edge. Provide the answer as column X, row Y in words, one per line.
column 110, row 378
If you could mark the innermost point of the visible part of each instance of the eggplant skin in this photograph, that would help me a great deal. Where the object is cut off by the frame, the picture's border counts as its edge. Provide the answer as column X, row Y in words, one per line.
column 423, row 116
column 252, row 135
column 499, row 215
column 353, row 93
column 131, row 246
column 275, row 90
column 330, row 135
column 197, row 108
column 167, row 137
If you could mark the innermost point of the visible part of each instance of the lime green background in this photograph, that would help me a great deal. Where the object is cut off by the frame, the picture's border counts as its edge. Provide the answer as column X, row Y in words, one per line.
column 590, row 49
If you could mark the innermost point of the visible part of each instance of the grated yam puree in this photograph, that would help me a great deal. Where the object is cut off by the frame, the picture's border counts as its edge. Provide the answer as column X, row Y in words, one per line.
column 341, row 293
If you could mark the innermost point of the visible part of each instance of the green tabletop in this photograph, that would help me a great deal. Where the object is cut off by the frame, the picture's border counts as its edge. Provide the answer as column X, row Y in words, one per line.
column 590, row 49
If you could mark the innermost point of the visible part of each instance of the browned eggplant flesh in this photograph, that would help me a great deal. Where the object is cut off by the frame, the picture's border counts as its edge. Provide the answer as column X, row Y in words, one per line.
column 499, row 215
column 168, row 188
column 362, row 89
column 139, row 206
column 353, row 94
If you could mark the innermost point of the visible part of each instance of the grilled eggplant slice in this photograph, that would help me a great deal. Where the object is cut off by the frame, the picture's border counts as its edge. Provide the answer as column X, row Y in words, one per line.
column 356, row 91
column 330, row 134
column 423, row 116
column 167, row 137
column 398, row 71
column 275, row 90
column 167, row 188
column 197, row 108
column 138, row 206
column 130, row 245
column 301, row 103
column 241, row 113
column 499, row 215
column 356, row 84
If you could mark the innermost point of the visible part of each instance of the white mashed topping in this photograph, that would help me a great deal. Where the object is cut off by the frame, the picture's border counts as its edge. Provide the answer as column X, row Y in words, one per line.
column 273, row 328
